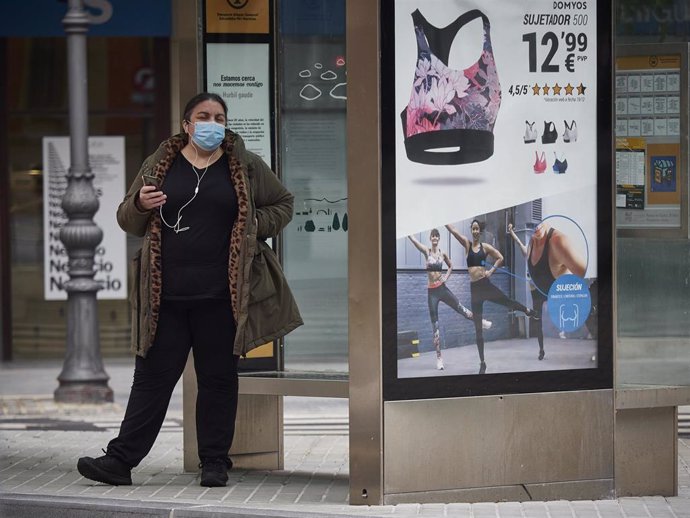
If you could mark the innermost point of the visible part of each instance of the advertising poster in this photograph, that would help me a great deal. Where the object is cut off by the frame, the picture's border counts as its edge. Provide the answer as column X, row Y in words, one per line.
column 495, row 172
column 106, row 159
column 239, row 73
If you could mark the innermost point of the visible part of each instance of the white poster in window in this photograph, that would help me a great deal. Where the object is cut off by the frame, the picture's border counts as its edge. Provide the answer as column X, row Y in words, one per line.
column 634, row 83
column 660, row 127
column 647, row 83
column 647, row 106
column 239, row 73
column 107, row 162
column 673, row 104
column 660, row 82
column 634, row 128
column 634, row 106
column 621, row 127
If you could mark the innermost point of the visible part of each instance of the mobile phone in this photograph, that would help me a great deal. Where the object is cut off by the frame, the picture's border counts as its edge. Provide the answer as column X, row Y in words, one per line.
column 150, row 180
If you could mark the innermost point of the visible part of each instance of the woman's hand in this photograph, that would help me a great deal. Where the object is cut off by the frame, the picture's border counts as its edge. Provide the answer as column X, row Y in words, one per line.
column 150, row 197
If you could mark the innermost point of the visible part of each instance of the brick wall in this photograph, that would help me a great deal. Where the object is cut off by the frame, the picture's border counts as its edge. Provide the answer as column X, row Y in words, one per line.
column 413, row 311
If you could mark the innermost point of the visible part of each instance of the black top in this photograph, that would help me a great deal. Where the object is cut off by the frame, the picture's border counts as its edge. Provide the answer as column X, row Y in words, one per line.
column 195, row 261
column 477, row 258
column 541, row 271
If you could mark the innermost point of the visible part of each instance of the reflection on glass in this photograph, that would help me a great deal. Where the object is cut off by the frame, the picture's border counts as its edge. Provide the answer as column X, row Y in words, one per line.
column 653, row 307
column 313, row 100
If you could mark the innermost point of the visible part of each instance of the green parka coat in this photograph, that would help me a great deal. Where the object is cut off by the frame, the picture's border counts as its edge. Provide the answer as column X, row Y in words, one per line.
column 262, row 303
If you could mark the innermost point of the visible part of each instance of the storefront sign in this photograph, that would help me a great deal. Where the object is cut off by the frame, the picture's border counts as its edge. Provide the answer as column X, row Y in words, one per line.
column 106, row 18
column 237, row 16
column 492, row 112
column 107, row 162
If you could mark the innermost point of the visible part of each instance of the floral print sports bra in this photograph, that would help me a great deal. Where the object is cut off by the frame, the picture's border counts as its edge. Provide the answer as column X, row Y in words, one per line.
column 450, row 108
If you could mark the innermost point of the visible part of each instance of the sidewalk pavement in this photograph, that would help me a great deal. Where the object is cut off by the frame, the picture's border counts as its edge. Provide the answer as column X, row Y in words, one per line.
column 41, row 440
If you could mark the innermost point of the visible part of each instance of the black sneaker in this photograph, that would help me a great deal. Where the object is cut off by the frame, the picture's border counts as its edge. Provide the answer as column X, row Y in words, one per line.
column 106, row 469
column 214, row 472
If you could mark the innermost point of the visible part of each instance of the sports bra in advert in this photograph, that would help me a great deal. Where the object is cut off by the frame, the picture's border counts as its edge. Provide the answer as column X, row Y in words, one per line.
column 477, row 258
column 434, row 263
column 530, row 132
column 559, row 166
column 539, row 163
column 448, row 108
column 540, row 272
column 550, row 134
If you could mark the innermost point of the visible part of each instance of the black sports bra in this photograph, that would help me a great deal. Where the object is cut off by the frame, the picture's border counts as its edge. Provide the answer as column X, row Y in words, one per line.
column 476, row 258
column 541, row 272
column 550, row 134
column 450, row 108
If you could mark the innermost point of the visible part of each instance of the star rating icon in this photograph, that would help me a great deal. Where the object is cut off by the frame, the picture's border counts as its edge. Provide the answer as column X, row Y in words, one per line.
column 556, row 89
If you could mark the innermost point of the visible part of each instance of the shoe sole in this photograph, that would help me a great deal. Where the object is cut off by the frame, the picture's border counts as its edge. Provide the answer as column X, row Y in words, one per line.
column 213, row 482
column 105, row 477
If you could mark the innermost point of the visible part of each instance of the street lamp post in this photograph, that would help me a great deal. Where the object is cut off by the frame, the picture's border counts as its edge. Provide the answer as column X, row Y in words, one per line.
column 83, row 378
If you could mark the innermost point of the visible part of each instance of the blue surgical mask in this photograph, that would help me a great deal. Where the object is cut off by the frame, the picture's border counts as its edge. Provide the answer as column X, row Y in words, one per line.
column 208, row 135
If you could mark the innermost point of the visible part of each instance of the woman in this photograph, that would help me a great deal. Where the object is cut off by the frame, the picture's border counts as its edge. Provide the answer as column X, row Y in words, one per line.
column 549, row 256
column 198, row 285
column 437, row 289
column 481, row 287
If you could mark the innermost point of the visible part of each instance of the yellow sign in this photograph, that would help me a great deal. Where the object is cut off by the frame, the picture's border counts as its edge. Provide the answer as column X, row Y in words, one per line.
column 237, row 16
column 652, row 62
column 263, row 351
column 630, row 143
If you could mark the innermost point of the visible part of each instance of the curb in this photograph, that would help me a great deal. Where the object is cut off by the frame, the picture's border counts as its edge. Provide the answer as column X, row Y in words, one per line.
column 34, row 506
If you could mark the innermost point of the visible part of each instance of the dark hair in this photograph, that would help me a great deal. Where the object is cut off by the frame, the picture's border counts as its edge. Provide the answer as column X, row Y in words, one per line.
column 434, row 232
column 200, row 98
column 478, row 224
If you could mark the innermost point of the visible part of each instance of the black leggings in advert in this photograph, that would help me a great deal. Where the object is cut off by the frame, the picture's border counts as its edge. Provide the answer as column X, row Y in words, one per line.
column 208, row 328
column 443, row 294
column 535, row 328
column 482, row 290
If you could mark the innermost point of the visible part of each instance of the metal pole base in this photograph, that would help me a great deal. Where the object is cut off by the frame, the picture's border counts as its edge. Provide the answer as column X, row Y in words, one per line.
column 94, row 393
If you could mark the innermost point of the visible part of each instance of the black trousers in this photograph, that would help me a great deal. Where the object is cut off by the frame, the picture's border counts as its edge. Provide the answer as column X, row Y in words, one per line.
column 535, row 325
column 443, row 294
column 483, row 290
column 208, row 327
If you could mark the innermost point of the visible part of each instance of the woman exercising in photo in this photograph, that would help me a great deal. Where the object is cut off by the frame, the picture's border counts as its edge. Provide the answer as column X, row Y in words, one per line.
column 549, row 255
column 481, row 287
column 437, row 289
